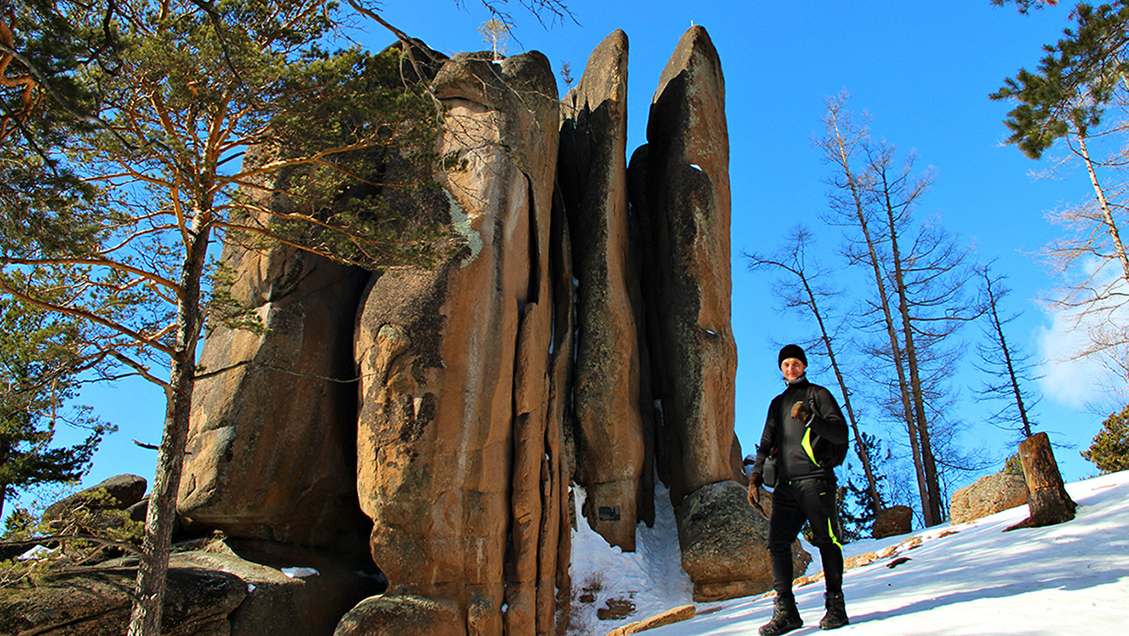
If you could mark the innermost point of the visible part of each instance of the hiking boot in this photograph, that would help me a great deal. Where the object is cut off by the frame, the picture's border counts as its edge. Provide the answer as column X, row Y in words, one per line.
column 785, row 617
column 836, row 615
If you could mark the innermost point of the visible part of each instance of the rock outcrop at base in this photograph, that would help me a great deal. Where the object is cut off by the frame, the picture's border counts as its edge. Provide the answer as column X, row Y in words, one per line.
column 725, row 543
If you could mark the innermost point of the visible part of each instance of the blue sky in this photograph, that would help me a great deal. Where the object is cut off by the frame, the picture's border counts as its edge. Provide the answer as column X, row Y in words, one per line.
column 922, row 70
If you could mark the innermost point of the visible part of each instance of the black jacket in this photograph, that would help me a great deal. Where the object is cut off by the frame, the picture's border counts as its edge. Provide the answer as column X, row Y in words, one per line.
column 799, row 454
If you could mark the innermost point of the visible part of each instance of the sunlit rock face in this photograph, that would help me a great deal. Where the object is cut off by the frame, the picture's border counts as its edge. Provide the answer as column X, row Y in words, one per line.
column 680, row 195
column 574, row 332
column 455, row 365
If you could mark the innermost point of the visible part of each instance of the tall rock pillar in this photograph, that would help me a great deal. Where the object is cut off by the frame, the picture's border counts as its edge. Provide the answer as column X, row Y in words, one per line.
column 454, row 463
column 592, row 171
column 681, row 198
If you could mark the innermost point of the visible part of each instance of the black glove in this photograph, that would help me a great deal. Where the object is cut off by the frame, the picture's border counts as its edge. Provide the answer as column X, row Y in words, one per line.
column 800, row 412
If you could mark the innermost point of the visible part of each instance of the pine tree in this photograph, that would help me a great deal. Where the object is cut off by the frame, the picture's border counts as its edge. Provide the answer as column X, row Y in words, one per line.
column 181, row 92
column 1110, row 448
column 1076, row 99
column 41, row 365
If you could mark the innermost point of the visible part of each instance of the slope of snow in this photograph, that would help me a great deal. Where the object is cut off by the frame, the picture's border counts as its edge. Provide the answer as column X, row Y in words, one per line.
column 967, row 579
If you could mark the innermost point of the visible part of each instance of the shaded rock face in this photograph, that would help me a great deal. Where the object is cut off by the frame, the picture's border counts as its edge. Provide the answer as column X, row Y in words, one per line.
column 592, row 172
column 988, row 495
column 680, row 196
column 455, row 365
column 725, row 543
column 893, row 521
column 271, row 445
column 281, row 599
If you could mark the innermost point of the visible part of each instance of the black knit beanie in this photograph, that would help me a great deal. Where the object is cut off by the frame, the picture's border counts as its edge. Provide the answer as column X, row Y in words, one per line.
column 791, row 351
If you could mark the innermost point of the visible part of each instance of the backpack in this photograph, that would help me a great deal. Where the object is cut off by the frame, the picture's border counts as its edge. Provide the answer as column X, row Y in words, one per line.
column 831, row 455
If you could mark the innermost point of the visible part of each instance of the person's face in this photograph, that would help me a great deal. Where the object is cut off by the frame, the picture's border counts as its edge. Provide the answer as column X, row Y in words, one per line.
column 792, row 369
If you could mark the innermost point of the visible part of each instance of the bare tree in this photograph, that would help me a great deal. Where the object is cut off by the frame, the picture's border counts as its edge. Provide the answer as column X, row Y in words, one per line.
column 1008, row 368
column 848, row 200
column 918, row 273
column 804, row 291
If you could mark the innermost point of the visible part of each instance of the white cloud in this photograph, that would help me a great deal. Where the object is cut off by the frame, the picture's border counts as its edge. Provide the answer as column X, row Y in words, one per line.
column 1079, row 382
column 1072, row 382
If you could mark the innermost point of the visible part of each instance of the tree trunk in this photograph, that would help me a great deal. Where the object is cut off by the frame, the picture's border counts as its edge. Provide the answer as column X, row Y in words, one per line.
column 931, row 498
column 1107, row 214
column 1047, row 497
column 842, row 157
column 145, row 619
column 860, row 449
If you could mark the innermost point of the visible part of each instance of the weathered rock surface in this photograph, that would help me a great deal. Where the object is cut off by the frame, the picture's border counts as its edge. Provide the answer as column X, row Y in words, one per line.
column 271, row 446
column 988, row 495
column 592, row 172
column 197, row 603
column 892, row 521
column 404, row 615
column 681, row 198
column 455, row 364
column 232, row 588
column 443, row 409
column 290, row 590
column 117, row 493
column 725, row 543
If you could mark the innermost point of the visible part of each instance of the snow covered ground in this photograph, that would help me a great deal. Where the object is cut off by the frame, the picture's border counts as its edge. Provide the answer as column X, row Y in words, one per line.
column 1071, row 578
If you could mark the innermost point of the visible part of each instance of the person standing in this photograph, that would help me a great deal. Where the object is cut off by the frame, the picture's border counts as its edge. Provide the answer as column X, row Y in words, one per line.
column 803, row 422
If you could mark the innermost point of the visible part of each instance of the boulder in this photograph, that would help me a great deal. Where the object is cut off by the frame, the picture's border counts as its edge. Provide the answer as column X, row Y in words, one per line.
column 680, row 194
column 724, row 543
column 987, row 496
column 455, row 364
column 403, row 616
column 892, row 521
column 97, row 603
column 592, row 173
column 116, row 493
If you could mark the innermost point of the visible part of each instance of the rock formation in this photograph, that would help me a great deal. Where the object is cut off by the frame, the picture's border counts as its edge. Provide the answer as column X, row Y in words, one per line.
column 271, row 445
column 681, row 198
column 455, row 365
column 592, row 172
column 576, row 331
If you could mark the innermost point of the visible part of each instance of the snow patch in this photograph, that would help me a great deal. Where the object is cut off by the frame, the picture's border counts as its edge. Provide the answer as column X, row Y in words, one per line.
column 651, row 578
column 299, row 573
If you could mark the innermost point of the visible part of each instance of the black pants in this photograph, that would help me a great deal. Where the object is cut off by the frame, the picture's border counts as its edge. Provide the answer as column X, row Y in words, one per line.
column 793, row 503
